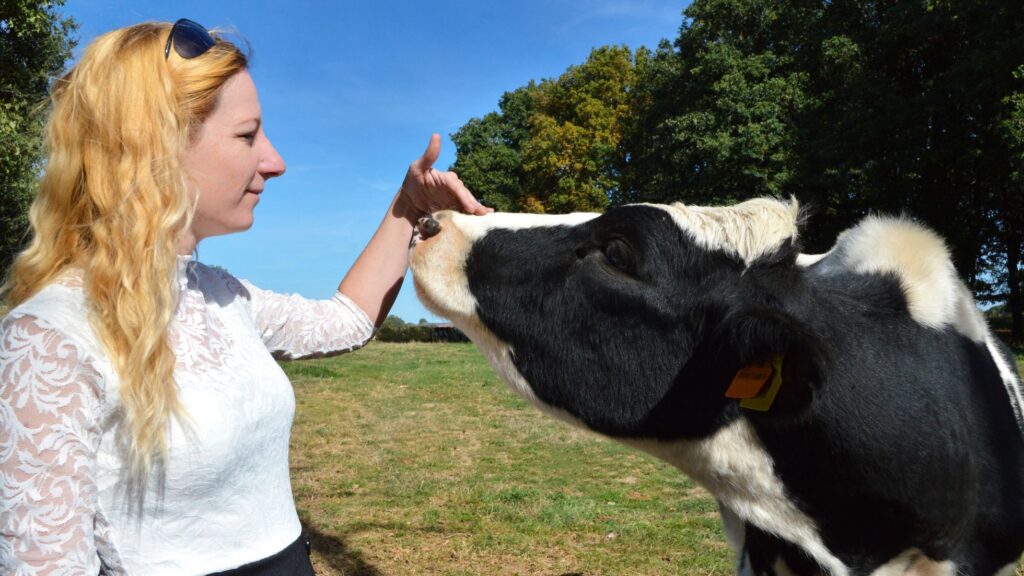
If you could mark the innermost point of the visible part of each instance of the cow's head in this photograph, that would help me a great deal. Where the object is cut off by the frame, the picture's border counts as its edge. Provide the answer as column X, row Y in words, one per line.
column 611, row 320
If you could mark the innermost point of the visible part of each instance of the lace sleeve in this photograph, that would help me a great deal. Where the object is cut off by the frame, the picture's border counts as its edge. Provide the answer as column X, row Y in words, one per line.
column 295, row 327
column 49, row 402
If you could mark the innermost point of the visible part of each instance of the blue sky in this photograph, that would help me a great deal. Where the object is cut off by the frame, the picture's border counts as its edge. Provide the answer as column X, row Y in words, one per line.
column 351, row 92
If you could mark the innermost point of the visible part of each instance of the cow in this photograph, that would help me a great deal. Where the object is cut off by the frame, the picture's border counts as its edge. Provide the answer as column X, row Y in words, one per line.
column 851, row 411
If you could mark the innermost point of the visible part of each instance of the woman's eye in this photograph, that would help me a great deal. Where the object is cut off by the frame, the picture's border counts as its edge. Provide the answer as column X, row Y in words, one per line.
column 250, row 137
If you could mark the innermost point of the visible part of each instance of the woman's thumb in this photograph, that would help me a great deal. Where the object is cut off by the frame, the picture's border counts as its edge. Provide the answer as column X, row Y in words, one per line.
column 433, row 151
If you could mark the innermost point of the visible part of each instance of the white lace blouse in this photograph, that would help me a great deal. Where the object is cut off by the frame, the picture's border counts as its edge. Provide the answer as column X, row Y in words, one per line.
column 65, row 502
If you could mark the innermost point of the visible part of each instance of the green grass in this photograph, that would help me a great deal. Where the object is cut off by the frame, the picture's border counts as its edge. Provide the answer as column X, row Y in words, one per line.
column 415, row 459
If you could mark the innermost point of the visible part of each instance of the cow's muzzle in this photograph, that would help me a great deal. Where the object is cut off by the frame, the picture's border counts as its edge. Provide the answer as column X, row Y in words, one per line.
column 428, row 227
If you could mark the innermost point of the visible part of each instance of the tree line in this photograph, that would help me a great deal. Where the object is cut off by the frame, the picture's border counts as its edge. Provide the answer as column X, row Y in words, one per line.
column 394, row 329
column 911, row 107
column 852, row 106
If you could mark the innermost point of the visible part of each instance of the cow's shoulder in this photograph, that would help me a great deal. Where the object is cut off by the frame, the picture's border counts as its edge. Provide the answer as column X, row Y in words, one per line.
column 918, row 259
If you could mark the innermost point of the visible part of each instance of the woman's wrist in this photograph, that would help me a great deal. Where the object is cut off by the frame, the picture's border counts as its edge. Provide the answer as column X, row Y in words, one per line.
column 402, row 208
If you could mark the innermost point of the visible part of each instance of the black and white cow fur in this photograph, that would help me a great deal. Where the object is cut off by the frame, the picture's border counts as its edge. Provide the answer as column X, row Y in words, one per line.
column 894, row 445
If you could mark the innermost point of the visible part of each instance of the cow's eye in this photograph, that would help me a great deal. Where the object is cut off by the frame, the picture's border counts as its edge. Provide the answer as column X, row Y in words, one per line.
column 619, row 254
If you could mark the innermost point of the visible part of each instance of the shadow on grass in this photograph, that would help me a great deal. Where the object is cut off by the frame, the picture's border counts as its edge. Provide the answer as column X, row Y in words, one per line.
column 336, row 554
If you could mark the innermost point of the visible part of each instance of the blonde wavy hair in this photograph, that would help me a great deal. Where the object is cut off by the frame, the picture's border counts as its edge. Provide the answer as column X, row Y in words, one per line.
column 114, row 201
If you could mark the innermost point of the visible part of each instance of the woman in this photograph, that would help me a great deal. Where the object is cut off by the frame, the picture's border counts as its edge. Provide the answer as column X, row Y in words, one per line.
column 144, row 422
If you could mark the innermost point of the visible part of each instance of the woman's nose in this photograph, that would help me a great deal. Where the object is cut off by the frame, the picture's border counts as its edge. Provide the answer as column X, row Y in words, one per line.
column 271, row 164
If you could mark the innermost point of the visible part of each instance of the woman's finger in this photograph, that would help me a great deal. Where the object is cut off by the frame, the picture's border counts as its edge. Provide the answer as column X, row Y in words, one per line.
column 465, row 198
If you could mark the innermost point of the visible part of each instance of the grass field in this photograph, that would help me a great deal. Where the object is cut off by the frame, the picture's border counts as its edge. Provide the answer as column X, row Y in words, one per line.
column 413, row 459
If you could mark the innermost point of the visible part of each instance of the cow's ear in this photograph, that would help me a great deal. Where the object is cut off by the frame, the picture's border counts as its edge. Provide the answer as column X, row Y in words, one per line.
column 764, row 336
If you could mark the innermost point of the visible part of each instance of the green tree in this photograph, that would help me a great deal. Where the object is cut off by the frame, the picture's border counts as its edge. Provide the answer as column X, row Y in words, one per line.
column 913, row 117
column 1009, row 241
column 554, row 146
column 393, row 329
column 575, row 134
column 35, row 42
column 489, row 153
column 853, row 106
column 717, row 123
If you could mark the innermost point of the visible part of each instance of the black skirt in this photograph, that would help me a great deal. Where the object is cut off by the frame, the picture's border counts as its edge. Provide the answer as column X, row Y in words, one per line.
column 292, row 561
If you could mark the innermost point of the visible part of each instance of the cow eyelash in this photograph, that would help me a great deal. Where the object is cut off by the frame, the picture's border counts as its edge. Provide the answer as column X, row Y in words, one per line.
column 616, row 255
column 619, row 255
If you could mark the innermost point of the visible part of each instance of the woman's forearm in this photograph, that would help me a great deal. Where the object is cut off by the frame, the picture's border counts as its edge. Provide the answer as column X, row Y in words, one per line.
column 376, row 276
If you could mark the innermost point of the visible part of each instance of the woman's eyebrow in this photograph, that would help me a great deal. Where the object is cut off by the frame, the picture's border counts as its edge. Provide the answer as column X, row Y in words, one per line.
column 258, row 120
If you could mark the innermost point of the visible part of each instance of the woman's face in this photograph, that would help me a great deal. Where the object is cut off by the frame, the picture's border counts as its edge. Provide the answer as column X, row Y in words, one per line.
column 230, row 161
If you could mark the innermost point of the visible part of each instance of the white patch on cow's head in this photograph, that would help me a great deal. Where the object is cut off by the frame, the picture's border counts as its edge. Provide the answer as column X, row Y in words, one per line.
column 477, row 226
column 439, row 265
column 920, row 260
column 439, row 262
column 913, row 562
column 734, row 466
column 749, row 229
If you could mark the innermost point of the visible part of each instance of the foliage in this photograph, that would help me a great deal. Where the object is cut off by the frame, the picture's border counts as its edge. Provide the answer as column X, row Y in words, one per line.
column 852, row 106
column 394, row 329
column 554, row 146
column 35, row 42
column 490, row 150
column 575, row 132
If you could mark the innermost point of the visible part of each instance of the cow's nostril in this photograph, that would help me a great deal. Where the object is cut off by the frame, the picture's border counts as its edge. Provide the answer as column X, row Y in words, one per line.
column 429, row 227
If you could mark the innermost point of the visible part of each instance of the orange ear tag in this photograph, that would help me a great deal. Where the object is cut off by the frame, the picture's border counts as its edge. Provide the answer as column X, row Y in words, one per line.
column 763, row 401
column 749, row 381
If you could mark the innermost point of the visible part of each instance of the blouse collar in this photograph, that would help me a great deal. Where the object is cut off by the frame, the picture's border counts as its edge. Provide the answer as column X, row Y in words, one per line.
column 186, row 270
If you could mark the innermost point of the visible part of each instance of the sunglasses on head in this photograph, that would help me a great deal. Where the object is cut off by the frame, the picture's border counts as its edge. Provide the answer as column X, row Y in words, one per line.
column 189, row 39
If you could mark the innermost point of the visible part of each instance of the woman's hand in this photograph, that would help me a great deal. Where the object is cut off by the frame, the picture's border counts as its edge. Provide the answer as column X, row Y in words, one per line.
column 427, row 190
column 375, row 277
